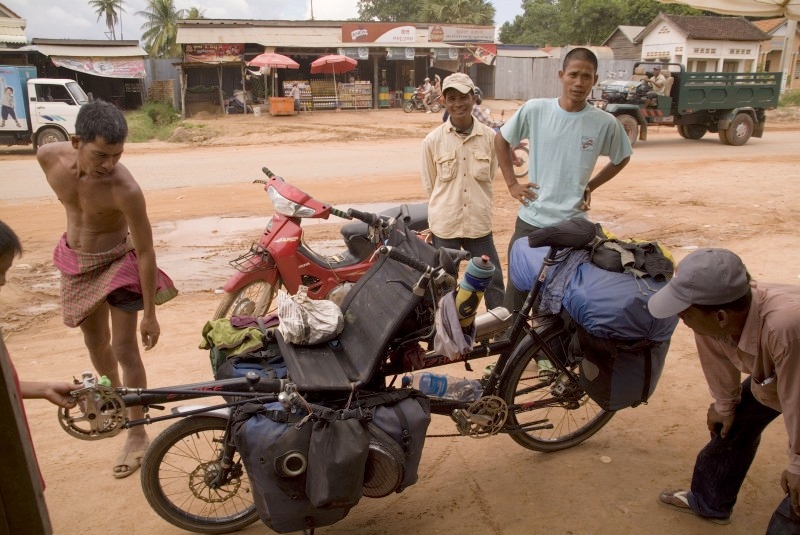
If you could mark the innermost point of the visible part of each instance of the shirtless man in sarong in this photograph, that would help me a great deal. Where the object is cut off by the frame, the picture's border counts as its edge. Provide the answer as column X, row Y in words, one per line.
column 106, row 256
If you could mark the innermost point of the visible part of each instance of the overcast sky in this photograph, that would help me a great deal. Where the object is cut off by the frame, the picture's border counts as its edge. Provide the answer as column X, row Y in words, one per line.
column 74, row 19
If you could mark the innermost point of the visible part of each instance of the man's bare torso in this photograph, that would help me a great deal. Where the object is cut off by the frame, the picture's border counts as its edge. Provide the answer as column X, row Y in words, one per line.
column 94, row 203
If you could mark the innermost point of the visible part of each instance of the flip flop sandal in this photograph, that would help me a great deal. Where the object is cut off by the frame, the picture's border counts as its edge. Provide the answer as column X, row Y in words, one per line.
column 127, row 463
column 679, row 501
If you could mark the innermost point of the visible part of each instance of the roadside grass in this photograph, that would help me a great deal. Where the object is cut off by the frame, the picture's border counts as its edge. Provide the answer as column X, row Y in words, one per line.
column 153, row 121
column 790, row 98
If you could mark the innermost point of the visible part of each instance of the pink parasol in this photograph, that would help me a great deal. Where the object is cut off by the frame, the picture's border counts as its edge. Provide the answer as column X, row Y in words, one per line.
column 271, row 60
column 333, row 64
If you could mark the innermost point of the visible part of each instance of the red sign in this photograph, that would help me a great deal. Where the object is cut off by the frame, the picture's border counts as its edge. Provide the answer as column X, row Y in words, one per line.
column 213, row 53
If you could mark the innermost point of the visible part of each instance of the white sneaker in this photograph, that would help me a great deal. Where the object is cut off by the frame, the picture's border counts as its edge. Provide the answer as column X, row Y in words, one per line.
column 428, row 111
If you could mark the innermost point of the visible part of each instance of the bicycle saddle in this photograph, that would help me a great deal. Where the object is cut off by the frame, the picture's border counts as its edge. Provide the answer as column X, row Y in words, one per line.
column 573, row 233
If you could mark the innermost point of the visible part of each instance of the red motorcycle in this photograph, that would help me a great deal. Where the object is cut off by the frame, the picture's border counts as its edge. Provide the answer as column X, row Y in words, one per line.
column 281, row 257
column 417, row 102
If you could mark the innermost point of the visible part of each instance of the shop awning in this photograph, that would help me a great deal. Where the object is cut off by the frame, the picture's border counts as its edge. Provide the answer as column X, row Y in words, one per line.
column 109, row 62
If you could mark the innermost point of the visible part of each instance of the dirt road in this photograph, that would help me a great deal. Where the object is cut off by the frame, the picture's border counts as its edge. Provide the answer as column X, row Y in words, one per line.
column 205, row 212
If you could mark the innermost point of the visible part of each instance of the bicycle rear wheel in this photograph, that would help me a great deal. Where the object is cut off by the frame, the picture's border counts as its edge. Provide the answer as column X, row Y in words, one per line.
column 177, row 472
column 547, row 411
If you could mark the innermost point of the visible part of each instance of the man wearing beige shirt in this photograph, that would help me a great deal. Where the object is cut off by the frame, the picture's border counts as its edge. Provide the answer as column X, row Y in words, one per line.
column 458, row 167
column 740, row 327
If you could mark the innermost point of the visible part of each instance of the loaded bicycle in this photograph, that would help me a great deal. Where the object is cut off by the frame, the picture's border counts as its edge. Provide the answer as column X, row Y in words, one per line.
column 194, row 475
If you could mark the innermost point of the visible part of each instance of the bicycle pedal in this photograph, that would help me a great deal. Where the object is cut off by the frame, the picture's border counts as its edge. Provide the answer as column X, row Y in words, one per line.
column 462, row 421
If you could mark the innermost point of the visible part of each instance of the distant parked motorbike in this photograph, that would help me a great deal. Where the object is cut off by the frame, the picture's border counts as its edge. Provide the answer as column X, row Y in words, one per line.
column 417, row 102
column 236, row 103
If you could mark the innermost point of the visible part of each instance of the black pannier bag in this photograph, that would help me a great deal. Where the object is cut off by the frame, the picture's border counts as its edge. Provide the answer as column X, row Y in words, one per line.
column 274, row 446
column 618, row 374
column 308, row 472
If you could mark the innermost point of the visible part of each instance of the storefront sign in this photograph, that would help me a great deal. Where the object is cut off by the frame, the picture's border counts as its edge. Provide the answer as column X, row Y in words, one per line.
column 129, row 67
column 442, row 33
column 378, row 32
column 213, row 53
column 445, row 54
column 359, row 53
column 396, row 54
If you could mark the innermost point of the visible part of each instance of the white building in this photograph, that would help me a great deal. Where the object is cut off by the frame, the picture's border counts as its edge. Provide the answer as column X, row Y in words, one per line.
column 703, row 44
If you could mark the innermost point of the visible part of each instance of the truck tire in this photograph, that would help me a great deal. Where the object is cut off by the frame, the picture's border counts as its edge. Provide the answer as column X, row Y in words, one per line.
column 692, row 131
column 49, row 135
column 739, row 131
column 631, row 127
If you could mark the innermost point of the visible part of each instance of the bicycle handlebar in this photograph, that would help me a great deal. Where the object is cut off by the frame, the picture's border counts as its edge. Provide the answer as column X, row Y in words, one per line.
column 399, row 256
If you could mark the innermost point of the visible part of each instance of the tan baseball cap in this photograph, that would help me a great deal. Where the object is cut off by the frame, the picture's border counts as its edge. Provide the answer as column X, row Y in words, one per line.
column 460, row 82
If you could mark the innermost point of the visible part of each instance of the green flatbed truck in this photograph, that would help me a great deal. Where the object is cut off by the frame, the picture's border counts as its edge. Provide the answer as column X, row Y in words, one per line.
column 731, row 104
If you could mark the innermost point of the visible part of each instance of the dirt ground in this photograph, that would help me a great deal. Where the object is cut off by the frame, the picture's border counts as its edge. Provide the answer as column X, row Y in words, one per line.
column 683, row 193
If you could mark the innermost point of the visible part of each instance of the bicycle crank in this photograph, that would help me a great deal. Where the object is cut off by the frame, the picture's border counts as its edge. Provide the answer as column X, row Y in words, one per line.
column 98, row 413
column 484, row 418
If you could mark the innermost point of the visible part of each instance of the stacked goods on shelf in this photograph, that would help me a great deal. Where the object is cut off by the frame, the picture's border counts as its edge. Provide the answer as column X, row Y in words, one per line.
column 355, row 95
column 305, row 91
column 324, row 94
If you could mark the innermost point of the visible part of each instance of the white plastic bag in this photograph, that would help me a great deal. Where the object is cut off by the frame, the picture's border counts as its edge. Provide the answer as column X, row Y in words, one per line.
column 305, row 321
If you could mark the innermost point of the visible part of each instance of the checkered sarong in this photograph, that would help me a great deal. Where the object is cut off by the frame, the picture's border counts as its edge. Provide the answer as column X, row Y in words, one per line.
column 88, row 278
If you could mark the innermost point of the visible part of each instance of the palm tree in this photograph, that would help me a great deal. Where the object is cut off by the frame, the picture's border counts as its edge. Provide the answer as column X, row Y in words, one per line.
column 111, row 9
column 195, row 13
column 161, row 28
column 458, row 11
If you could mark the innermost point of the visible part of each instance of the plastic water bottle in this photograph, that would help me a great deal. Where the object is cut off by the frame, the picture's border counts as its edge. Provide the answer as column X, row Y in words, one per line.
column 469, row 293
column 447, row 386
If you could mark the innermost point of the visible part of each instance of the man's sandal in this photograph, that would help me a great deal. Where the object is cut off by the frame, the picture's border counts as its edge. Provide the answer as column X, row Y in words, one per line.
column 128, row 462
column 679, row 501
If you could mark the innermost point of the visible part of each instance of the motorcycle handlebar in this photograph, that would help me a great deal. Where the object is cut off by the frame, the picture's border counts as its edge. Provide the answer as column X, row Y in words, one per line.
column 367, row 217
column 403, row 258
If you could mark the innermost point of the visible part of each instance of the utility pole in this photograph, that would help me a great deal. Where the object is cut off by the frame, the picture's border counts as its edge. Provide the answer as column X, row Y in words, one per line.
column 312, row 8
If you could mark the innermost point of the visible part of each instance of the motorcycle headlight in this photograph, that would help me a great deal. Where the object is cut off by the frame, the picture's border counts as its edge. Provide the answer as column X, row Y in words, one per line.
column 286, row 207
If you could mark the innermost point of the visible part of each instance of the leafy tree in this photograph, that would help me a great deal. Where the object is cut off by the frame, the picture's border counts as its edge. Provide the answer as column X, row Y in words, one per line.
column 458, row 12
column 195, row 13
column 389, row 10
column 110, row 9
column 587, row 22
column 161, row 28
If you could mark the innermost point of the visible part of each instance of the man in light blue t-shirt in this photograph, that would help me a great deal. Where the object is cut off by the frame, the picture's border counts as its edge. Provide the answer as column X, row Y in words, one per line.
column 566, row 137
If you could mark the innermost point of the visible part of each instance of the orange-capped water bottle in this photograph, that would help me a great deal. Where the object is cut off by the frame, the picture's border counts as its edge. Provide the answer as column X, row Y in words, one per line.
column 470, row 291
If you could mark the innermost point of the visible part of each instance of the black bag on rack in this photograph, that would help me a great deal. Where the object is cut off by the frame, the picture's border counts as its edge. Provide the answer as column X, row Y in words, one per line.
column 618, row 374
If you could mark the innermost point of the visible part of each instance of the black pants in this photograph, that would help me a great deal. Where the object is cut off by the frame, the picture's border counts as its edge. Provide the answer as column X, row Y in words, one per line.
column 478, row 247
column 722, row 465
column 515, row 298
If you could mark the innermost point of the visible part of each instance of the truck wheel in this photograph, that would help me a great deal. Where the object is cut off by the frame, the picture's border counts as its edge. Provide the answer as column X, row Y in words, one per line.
column 740, row 130
column 630, row 126
column 49, row 135
column 692, row 131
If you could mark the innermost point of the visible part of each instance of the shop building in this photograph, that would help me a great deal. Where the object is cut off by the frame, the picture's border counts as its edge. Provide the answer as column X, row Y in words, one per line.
column 392, row 59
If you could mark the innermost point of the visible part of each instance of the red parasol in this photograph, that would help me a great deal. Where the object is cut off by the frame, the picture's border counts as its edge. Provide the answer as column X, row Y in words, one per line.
column 333, row 64
column 271, row 60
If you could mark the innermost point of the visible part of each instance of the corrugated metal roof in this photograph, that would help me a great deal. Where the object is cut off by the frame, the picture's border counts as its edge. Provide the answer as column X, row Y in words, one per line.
column 18, row 39
column 86, row 51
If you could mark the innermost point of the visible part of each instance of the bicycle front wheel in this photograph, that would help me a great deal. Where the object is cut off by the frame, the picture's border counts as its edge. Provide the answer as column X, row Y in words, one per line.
column 548, row 411
column 177, row 473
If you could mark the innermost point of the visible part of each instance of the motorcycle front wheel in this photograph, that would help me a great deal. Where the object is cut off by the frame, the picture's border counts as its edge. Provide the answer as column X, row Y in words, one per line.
column 408, row 106
column 256, row 298
column 177, row 471
column 548, row 411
